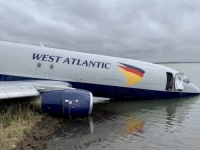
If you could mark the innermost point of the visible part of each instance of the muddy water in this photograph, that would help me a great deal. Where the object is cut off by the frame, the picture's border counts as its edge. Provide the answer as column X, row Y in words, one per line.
column 154, row 124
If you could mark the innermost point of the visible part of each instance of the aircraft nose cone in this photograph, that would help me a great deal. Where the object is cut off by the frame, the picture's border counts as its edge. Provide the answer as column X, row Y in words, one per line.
column 196, row 89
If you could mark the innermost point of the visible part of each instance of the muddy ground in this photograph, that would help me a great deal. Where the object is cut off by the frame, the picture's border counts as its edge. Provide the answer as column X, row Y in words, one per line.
column 40, row 134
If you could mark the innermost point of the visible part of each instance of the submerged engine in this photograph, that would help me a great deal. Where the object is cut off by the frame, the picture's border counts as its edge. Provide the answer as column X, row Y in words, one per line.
column 68, row 102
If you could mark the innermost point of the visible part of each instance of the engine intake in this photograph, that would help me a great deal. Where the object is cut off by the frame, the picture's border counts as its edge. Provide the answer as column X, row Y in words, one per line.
column 69, row 103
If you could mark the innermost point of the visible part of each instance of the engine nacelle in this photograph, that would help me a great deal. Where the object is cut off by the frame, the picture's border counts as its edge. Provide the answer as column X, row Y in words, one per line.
column 70, row 102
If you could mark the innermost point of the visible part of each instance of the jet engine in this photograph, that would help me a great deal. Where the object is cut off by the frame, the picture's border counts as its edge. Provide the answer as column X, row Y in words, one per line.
column 68, row 102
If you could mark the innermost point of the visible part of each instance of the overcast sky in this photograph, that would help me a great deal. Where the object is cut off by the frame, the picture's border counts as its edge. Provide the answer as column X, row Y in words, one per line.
column 148, row 30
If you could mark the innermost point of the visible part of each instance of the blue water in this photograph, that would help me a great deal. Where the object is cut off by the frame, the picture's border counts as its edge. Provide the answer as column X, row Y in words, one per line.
column 156, row 124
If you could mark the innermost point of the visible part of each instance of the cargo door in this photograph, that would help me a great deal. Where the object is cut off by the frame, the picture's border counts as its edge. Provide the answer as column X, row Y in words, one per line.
column 179, row 81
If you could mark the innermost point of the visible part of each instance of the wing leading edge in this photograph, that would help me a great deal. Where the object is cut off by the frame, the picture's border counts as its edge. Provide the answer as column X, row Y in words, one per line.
column 17, row 89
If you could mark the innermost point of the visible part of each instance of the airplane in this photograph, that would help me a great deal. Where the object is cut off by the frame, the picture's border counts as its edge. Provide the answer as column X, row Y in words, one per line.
column 64, row 82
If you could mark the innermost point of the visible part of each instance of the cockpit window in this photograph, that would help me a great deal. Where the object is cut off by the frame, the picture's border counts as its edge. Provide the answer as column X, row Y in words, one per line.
column 186, row 81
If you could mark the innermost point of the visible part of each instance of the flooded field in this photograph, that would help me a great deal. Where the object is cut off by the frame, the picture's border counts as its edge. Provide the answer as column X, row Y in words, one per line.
column 148, row 124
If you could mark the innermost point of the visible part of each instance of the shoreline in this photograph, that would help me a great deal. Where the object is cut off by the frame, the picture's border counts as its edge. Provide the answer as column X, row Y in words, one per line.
column 22, row 127
column 40, row 134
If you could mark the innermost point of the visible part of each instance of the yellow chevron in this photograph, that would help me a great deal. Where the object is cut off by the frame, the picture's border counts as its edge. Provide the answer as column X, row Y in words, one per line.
column 131, row 78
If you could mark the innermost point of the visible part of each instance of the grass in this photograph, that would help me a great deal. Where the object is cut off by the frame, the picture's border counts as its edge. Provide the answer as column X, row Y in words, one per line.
column 16, row 121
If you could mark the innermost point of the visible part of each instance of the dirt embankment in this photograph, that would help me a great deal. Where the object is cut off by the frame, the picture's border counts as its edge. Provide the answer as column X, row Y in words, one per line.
column 22, row 127
column 40, row 134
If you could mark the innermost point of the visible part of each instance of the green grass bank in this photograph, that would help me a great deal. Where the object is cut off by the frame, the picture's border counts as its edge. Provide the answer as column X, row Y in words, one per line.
column 16, row 121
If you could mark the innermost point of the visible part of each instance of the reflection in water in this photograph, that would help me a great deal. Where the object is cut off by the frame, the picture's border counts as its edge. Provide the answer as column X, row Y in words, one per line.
column 117, row 122
column 75, row 128
column 133, row 125
column 171, row 110
column 177, row 111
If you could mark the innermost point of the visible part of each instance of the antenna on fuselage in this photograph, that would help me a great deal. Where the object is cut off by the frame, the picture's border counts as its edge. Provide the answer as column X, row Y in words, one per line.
column 41, row 45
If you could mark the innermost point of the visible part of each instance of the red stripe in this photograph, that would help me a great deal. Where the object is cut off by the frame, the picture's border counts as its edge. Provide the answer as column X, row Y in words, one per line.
column 132, row 71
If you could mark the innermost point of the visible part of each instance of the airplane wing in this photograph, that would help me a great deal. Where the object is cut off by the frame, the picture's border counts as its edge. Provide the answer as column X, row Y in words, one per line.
column 17, row 89
column 54, row 97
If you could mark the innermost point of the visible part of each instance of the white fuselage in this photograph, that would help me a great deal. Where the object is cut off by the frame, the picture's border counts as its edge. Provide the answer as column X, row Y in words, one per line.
column 82, row 70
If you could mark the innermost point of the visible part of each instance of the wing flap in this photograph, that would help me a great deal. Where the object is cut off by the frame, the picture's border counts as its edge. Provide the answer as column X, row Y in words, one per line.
column 12, row 91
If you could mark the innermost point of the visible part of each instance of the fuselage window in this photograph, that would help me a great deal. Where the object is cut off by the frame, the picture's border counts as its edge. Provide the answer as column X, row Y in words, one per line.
column 51, row 66
column 39, row 65
column 186, row 81
column 169, row 83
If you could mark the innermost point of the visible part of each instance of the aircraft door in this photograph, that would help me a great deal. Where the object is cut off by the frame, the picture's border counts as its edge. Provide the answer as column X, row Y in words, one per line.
column 179, row 81
column 169, row 84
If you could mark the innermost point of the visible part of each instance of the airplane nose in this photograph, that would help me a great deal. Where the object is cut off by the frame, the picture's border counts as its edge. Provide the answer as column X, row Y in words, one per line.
column 195, row 89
